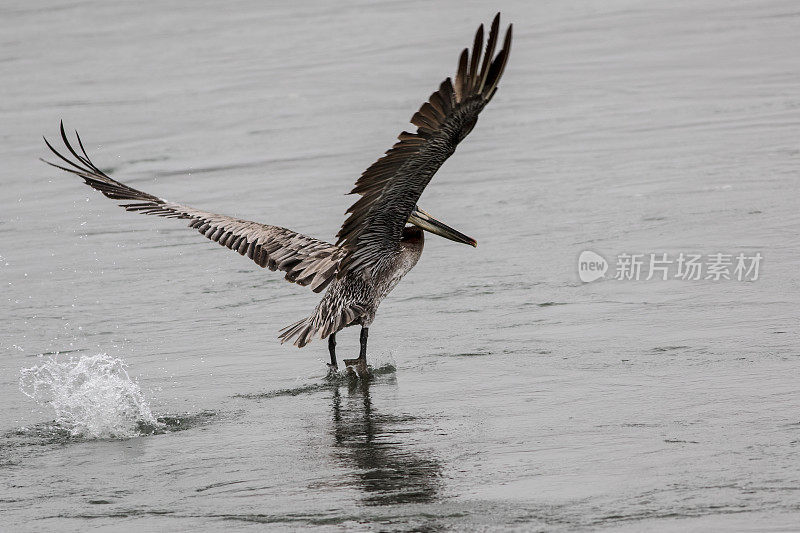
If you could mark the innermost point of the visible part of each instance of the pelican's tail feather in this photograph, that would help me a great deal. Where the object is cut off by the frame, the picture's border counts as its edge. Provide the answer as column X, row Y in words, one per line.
column 302, row 329
column 322, row 323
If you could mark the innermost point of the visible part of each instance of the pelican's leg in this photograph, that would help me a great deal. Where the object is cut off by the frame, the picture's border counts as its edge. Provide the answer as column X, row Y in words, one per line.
column 363, row 354
column 361, row 362
column 333, row 367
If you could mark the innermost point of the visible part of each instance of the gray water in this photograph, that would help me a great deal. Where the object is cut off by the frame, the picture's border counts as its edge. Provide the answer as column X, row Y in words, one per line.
column 508, row 395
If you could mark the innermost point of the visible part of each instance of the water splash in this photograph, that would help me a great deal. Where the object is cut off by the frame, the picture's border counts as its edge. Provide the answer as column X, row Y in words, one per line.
column 383, row 363
column 93, row 396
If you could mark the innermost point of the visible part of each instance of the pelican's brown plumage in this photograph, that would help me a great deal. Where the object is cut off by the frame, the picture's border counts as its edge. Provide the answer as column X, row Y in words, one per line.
column 376, row 246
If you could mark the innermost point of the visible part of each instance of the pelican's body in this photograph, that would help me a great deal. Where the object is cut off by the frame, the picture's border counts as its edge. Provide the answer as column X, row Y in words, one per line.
column 354, row 299
column 380, row 241
column 357, row 295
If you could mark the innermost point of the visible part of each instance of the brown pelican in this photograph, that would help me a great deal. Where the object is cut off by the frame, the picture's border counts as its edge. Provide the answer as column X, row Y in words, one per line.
column 381, row 239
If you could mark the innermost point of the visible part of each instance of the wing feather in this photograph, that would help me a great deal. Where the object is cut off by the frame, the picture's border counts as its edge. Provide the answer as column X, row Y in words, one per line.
column 473, row 66
column 390, row 188
column 305, row 260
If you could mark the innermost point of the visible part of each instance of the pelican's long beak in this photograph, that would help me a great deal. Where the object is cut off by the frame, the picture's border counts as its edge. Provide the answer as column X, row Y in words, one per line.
column 423, row 220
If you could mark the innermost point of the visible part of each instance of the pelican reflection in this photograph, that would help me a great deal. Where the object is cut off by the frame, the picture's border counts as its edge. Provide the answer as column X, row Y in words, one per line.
column 388, row 469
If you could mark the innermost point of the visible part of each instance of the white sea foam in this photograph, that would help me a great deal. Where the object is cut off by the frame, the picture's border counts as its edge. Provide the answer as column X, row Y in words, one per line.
column 92, row 396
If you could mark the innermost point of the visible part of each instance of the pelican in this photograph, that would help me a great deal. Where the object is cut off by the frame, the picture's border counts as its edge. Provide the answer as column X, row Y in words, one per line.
column 382, row 236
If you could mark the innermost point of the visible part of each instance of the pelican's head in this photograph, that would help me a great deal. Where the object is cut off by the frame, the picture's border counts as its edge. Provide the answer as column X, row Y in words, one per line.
column 423, row 220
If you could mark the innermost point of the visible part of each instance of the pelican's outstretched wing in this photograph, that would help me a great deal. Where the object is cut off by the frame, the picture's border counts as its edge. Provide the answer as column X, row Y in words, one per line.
column 390, row 188
column 306, row 261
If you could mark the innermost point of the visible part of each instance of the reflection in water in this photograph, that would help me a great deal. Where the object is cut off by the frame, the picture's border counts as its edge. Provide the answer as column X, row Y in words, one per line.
column 387, row 469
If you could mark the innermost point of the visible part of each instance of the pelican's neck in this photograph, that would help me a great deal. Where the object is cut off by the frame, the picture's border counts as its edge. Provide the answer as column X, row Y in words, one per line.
column 411, row 245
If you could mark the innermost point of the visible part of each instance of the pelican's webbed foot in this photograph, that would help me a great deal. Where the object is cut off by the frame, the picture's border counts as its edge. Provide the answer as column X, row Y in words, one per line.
column 357, row 366
column 360, row 363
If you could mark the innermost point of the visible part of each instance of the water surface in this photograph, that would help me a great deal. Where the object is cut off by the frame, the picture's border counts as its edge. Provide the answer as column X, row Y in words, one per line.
column 509, row 395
